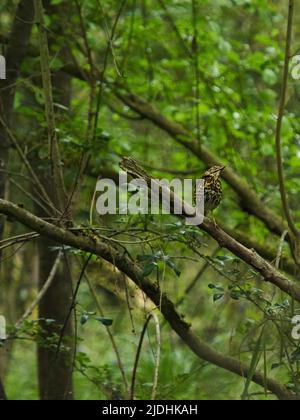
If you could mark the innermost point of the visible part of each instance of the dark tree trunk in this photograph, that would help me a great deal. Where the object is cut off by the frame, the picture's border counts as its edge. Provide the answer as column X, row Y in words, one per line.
column 16, row 51
column 15, row 54
column 55, row 370
column 2, row 392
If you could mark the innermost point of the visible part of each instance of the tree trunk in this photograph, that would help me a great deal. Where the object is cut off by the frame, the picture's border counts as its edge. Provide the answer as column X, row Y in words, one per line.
column 55, row 371
column 2, row 392
column 16, row 51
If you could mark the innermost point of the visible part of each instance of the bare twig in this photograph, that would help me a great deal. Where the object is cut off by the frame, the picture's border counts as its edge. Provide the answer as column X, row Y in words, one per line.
column 42, row 292
column 195, row 56
column 198, row 276
column 110, row 34
column 137, row 357
column 279, row 251
column 157, row 356
column 31, row 196
column 27, row 164
column 110, row 334
column 110, row 38
column 92, row 78
column 73, row 304
column 174, row 27
column 56, row 163
column 6, row 243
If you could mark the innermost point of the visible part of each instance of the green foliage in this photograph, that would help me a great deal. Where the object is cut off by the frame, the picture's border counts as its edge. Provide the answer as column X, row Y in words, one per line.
column 151, row 54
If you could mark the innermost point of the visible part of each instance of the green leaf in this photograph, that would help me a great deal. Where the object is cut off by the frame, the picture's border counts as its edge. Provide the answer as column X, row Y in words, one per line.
column 236, row 294
column 269, row 76
column 217, row 296
column 295, row 356
column 223, row 258
column 105, row 321
column 84, row 319
column 215, row 287
column 172, row 265
column 102, row 135
column 149, row 268
column 275, row 366
column 83, row 359
column 49, row 321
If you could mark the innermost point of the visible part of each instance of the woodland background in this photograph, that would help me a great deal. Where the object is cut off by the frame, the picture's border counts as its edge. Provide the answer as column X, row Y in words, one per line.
column 179, row 85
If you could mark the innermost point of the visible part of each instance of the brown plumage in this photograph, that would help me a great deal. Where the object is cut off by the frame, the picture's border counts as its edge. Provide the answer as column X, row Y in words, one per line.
column 212, row 188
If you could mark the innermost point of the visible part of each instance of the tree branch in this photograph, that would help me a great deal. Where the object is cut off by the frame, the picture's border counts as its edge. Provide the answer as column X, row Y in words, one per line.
column 249, row 200
column 42, row 292
column 167, row 308
column 249, row 256
column 266, row 251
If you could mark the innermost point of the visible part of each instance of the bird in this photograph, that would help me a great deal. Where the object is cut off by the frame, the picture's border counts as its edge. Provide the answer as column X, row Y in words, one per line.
column 212, row 189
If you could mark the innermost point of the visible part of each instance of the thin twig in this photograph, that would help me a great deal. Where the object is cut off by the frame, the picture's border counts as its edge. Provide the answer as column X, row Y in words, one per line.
column 22, row 237
column 73, row 304
column 200, row 273
column 56, row 163
column 279, row 252
column 28, row 166
column 31, row 196
column 127, row 296
column 110, row 37
column 173, row 26
column 137, row 357
column 91, row 78
column 111, row 337
column 127, row 49
column 17, row 240
column 195, row 51
column 157, row 357
column 42, row 292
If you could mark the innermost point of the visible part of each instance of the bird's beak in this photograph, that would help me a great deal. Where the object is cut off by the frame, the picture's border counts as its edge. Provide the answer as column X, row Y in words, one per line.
column 223, row 167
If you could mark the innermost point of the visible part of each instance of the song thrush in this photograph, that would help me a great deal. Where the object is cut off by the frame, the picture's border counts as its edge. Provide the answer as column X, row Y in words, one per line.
column 212, row 188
